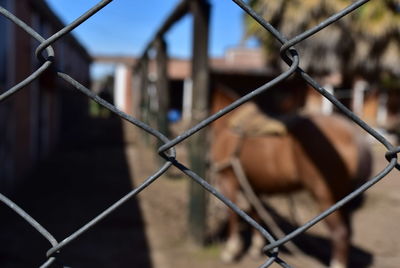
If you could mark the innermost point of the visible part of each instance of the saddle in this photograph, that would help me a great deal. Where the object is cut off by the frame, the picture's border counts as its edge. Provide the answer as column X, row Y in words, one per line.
column 248, row 120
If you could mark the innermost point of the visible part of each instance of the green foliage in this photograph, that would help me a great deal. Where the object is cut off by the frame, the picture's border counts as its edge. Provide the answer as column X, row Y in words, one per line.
column 366, row 32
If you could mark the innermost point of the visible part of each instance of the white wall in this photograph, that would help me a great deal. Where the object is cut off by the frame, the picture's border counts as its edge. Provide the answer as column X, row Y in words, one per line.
column 120, row 86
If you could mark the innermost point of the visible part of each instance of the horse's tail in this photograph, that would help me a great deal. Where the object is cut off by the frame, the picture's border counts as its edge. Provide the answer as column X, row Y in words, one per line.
column 364, row 170
column 365, row 164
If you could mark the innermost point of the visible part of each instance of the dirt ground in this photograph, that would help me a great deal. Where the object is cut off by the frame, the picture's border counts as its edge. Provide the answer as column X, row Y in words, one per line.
column 92, row 172
column 375, row 243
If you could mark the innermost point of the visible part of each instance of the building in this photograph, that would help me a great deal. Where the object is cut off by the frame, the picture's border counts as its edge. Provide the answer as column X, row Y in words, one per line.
column 243, row 69
column 240, row 69
column 179, row 74
column 36, row 118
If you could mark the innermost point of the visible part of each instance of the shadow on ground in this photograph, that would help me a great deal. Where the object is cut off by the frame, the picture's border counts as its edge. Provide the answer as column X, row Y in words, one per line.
column 66, row 191
column 312, row 245
column 319, row 247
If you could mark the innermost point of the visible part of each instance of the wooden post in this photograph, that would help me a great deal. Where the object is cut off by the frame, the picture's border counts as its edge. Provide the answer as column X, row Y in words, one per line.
column 136, row 93
column 162, row 85
column 144, row 113
column 143, row 84
column 197, row 145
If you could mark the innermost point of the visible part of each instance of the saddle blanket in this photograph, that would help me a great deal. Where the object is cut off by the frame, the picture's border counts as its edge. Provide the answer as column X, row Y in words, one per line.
column 248, row 120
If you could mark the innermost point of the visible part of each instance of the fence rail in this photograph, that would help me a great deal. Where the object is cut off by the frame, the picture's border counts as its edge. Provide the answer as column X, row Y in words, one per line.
column 46, row 55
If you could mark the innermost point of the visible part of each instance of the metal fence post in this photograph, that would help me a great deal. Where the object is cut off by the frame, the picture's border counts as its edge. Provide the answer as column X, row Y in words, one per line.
column 197, row 145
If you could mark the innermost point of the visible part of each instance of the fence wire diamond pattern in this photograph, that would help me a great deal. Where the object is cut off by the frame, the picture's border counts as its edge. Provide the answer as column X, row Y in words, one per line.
column 288, row 54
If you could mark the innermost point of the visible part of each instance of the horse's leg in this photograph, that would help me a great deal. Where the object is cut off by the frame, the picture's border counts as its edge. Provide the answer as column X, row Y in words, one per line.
column 234, row 245
column 340, row 240
column 257, row 240
column 339, row 228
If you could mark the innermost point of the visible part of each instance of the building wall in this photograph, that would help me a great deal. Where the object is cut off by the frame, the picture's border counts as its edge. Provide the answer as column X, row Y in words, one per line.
column 6, row 81
column 32, row 120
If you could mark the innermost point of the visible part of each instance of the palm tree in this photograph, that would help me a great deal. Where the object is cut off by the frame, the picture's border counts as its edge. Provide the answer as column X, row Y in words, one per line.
column 364, row 42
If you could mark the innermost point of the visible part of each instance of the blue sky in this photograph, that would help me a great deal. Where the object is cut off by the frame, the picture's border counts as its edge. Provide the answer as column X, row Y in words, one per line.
column 125, row 26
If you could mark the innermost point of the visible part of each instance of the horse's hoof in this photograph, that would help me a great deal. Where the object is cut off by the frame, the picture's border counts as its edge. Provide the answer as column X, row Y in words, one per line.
column 255, row 254
column 257, row 243
column 337, row 264
column 232, row 249
column 227, row 257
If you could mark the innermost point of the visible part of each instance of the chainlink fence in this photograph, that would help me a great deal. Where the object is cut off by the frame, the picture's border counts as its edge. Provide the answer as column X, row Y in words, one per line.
column 166, row 150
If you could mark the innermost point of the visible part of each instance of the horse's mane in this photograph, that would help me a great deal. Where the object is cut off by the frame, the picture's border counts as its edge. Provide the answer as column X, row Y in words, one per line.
column 228, row 92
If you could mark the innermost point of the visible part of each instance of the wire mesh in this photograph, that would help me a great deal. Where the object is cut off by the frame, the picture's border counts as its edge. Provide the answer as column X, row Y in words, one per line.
column 287, row 52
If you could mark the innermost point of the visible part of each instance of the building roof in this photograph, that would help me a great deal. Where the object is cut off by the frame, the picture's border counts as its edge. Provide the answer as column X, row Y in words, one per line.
column 236, row 60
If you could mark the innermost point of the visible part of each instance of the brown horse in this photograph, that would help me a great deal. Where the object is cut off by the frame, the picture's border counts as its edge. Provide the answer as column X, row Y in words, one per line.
column 323, row 154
